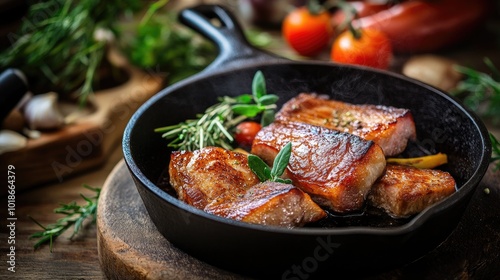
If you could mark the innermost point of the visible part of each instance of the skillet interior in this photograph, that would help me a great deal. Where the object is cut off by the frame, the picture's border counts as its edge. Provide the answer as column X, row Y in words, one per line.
column 442, row 125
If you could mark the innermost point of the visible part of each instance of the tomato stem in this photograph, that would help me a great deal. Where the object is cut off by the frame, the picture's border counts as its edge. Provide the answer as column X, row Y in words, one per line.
column 314, row 7
column 350, row 15
column 356, row 32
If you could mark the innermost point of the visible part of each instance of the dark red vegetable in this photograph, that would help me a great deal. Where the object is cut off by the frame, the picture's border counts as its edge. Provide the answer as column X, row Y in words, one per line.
column 422, row 26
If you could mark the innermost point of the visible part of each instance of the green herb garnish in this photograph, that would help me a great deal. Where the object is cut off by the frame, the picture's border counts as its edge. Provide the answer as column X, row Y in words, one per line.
column 266, row 173
column 481, row 91
column 75, row 216
column 214, row 127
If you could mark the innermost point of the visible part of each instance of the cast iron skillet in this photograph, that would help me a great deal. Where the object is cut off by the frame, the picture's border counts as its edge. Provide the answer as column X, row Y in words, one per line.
column 443, row 124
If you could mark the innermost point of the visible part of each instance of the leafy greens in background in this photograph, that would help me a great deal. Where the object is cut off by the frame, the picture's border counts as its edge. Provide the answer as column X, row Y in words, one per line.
column 158, row 42
column 481, row 93
column 55, row 45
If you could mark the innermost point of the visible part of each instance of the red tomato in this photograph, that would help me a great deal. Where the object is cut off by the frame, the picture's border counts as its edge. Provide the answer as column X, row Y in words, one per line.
column 372, row 49
column 245, row 132
column 306, row 33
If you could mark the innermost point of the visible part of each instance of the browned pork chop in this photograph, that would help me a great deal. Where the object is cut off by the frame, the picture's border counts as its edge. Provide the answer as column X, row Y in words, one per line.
column 220, row 182
column 389, row 127
column 201, row 176
column 270, row 203
column 337, row 169
column 404, row 190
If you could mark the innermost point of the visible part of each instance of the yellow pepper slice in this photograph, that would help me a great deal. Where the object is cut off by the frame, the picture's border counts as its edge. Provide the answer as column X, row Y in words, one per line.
column 430, row 161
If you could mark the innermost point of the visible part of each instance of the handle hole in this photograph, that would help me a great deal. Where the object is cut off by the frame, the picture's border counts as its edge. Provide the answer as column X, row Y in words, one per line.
column 216, row 22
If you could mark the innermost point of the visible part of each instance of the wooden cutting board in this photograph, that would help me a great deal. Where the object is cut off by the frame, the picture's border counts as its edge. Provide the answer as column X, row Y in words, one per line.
column 87, row 142
column 128, row 243
column 130, row 247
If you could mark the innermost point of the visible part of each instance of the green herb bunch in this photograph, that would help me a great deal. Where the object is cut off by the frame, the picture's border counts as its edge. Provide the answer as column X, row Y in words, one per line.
column 214, row 126
column 158, row 42
column 55, row 45
column 481, row 91
column 75, row 215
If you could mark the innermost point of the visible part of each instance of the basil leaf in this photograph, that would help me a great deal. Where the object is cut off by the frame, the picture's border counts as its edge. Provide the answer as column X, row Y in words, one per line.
column 258, row 85
column 259, row 167
column 246, row 110
column 281, row 160
column 268, row 99
column 244, row 98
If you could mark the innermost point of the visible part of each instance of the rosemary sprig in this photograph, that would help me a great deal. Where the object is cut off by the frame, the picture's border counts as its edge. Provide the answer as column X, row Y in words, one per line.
column 481, row 91
column 495, row 157
column 214, row 127
column 266, row 173
column 75, row 215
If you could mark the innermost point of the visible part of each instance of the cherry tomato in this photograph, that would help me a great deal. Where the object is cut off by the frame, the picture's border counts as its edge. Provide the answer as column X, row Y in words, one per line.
column 245, row 132
column 306, row 33
column 372, row 49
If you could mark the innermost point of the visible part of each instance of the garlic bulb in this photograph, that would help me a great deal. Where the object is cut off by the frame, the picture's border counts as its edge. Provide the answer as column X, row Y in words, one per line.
column 42, row 112
column 11, row 141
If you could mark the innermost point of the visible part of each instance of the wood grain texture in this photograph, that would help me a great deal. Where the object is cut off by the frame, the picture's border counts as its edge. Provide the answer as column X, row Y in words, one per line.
column 131, row 248
column 70, row 259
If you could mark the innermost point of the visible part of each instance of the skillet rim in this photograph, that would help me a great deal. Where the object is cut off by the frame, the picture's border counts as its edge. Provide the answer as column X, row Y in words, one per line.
column 414, row 223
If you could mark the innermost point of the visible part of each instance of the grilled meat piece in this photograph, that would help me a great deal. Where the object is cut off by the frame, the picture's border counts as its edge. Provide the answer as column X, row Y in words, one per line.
column 388, row 127
column 405, row 190
column 336, row 169
column 270, row 203
column 220, row 182
column 204, row 175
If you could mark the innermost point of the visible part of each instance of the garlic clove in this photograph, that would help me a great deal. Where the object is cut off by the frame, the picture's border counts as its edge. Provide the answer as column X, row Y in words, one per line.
column 11, row 141
column 42, row 112
column 32, row 133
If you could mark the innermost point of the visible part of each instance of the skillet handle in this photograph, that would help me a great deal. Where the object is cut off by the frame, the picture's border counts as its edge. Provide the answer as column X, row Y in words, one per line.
column 13, row 87
column 234, row 48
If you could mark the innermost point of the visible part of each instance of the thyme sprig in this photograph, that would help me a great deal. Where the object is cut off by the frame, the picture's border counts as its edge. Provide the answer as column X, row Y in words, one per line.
column 75, row 215
column 266, row 173
column 214, row 127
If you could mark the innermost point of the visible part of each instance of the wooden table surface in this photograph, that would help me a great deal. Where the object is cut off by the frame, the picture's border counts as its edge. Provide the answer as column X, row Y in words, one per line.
column 475, row 250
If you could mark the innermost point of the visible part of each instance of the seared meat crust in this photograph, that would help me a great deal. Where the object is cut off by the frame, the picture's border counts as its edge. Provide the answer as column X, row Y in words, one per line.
column 337, row 169
column 405, row 190
column 220, row 182
column 270, row 203
column 389, row 127
column 201, row 176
